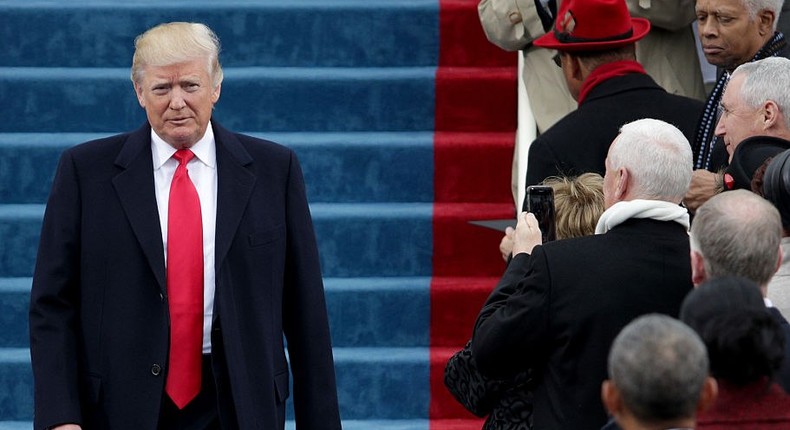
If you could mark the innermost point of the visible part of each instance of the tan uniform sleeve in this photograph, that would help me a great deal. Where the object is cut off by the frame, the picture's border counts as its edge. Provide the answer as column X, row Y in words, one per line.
column 510, row 24
column 672, row 15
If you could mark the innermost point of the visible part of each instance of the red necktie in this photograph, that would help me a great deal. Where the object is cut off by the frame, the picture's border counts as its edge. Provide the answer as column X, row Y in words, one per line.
column 184, row 285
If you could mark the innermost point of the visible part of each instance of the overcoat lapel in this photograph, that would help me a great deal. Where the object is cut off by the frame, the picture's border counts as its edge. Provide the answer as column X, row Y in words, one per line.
column 234, row 186
column 135, row 188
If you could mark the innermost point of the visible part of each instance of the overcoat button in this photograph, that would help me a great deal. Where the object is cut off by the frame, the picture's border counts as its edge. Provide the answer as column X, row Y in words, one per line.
column 156, row 369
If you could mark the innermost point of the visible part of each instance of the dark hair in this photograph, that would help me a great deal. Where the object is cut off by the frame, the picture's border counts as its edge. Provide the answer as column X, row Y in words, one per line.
column 744, row 346
column 745, row 342
column 776, row 185
column 759, row 177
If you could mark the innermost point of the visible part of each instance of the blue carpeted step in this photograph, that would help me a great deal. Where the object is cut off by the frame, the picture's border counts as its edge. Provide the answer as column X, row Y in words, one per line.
column 14, row 303
column 338, row 167
column 16, row 378
column 373, row 383
column 377, row 425
column 354, row 240
column 20, row 226
column 364, row 167
column 290, row 425
column 100, row 33
column 382, row 383
column 253, row 98
column 372, row 312
column 360, row 240
column 391, row 312
column 16, row 425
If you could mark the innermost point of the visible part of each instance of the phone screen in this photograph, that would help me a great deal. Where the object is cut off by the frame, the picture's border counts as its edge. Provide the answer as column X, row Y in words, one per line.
column 540, row 202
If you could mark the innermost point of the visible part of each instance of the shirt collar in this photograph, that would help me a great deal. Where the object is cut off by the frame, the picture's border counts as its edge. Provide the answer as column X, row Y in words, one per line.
column 204, row 149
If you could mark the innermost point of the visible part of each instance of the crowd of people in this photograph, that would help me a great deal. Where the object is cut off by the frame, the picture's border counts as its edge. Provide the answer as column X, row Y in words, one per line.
column 669, row 312
column 660, row 305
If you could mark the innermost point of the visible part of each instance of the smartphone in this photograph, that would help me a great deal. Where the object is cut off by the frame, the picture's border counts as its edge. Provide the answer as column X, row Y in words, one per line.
column 540, row 202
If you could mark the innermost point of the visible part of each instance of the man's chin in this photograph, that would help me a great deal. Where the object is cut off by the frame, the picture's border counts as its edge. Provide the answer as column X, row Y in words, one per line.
column 717, row 60
column 180, row 137
column 180, row 141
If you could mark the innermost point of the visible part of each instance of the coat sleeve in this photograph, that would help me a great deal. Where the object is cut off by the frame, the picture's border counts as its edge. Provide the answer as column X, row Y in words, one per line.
column 672, row 15
column 510, row 24
column 305, row 318
column 54, row 304
column 511, row 332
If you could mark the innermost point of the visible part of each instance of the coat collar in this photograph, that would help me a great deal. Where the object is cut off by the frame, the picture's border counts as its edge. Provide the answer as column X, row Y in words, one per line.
column 621, row 84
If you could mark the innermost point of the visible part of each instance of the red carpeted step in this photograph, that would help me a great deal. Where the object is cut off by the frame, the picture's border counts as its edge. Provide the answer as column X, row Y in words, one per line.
column 463, row 249
column 473, row 167
column 475, row 123
column 476, row 98
column 456, row 424
column 463, row 42
column 456, row 303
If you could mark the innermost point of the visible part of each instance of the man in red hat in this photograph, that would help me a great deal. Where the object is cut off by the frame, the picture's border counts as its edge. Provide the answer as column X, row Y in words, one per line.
column 595, row 40
column 668, row 53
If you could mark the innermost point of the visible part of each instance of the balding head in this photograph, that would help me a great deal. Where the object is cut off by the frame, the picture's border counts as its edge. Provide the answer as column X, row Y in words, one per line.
column 736, row 233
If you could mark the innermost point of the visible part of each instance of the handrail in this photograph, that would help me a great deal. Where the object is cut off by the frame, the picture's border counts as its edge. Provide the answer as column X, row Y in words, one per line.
column 525, row 133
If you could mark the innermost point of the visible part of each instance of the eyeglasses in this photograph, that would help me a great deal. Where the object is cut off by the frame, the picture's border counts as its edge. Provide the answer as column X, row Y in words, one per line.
column 557, row 59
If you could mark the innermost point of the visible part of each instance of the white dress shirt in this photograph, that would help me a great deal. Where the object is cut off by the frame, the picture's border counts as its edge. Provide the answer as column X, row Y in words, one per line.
column 203, row 173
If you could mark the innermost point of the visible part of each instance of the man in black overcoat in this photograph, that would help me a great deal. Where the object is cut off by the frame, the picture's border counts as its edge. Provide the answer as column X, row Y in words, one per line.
column 595, row 40
column 560, row 305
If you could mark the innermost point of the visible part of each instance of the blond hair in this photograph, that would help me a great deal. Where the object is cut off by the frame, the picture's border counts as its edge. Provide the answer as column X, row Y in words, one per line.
column 578, row 203
column 177, row 42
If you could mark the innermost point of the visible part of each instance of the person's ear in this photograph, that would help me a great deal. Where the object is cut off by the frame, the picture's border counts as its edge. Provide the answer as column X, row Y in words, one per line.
column 138, row 90
column 215, row 93
column 623, row 184
column 576, row 68
column 770, row 114
column 708, row 394
column 698, row 274
column 765, row 20
column 610, row 397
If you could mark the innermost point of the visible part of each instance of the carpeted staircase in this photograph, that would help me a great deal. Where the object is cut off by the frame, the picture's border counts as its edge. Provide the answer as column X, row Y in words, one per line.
column 403, row 118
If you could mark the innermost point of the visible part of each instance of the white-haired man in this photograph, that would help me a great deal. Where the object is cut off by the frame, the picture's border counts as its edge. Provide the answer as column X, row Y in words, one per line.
column 756, row 103
column 558, row 310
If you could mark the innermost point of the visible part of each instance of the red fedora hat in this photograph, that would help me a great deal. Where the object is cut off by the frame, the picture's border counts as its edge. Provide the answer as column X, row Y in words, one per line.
column 593, row 25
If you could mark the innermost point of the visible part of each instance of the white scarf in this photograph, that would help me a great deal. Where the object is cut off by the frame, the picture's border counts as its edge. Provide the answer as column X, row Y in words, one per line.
column 658, row 210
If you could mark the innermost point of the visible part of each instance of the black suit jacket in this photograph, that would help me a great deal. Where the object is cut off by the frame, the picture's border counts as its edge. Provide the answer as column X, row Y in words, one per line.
column 783, row 378
column 559, row 310
column 99, row 314
column 579, row 142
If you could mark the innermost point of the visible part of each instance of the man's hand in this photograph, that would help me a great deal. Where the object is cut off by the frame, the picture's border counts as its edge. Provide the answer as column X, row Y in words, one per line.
column 506, row 245
column 527, row 235
column 704, row 185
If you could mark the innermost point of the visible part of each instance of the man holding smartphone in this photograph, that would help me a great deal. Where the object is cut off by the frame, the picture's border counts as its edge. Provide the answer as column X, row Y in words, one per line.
column 559, row 306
